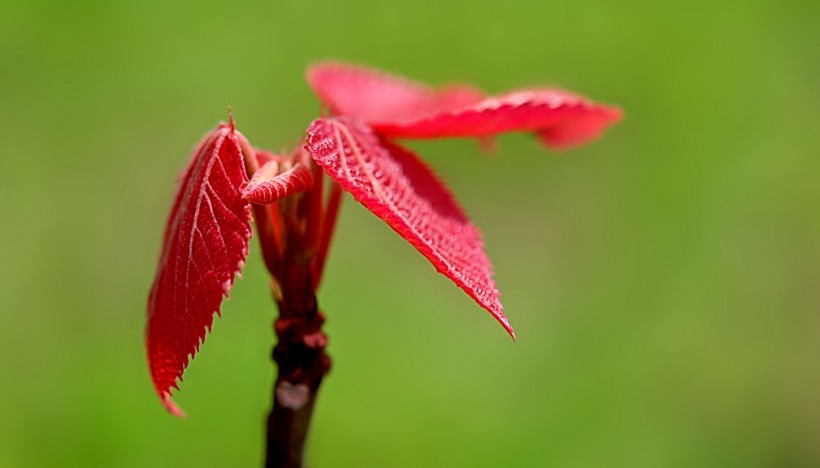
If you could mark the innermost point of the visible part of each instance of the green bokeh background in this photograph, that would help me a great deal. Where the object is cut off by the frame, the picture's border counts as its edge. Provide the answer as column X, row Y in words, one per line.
column 663, row 281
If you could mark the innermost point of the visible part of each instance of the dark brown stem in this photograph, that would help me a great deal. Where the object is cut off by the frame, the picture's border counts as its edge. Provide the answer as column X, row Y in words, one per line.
column 302, row 362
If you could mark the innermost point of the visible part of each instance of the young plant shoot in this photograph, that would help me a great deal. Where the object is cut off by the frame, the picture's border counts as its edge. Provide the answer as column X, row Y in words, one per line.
column 228, row 183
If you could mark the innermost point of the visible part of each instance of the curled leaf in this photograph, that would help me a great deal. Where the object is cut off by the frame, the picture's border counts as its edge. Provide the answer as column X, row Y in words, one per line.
column 271, row 182
column 204, row 247
column 400, row 189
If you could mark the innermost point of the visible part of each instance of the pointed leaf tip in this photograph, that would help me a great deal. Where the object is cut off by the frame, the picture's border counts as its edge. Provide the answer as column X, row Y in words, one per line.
column 400, row 189
column 204, row 247
column 172, row 407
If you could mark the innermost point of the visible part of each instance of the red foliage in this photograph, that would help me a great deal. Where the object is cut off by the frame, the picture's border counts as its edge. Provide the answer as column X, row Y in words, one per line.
column 396, row 107
column 206, row 239
column 272, row 182
column 401, row 190
column 559, row 118
column 205, row 245
column 376, row 96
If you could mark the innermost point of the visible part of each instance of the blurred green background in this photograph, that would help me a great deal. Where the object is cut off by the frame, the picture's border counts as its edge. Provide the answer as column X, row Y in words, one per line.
column 663, row 281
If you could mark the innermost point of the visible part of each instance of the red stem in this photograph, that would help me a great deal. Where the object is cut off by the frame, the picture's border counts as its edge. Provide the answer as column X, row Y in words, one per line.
column 328, row 226
column 268, row 228
column 300, row 349
column 312, row 204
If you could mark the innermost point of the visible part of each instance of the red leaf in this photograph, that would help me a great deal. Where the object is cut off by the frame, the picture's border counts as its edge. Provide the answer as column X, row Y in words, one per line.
column 272, row 182
column 396, row 107
column 561, row 119
column 401, row 190
column 375, row 96
column 205, row 245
